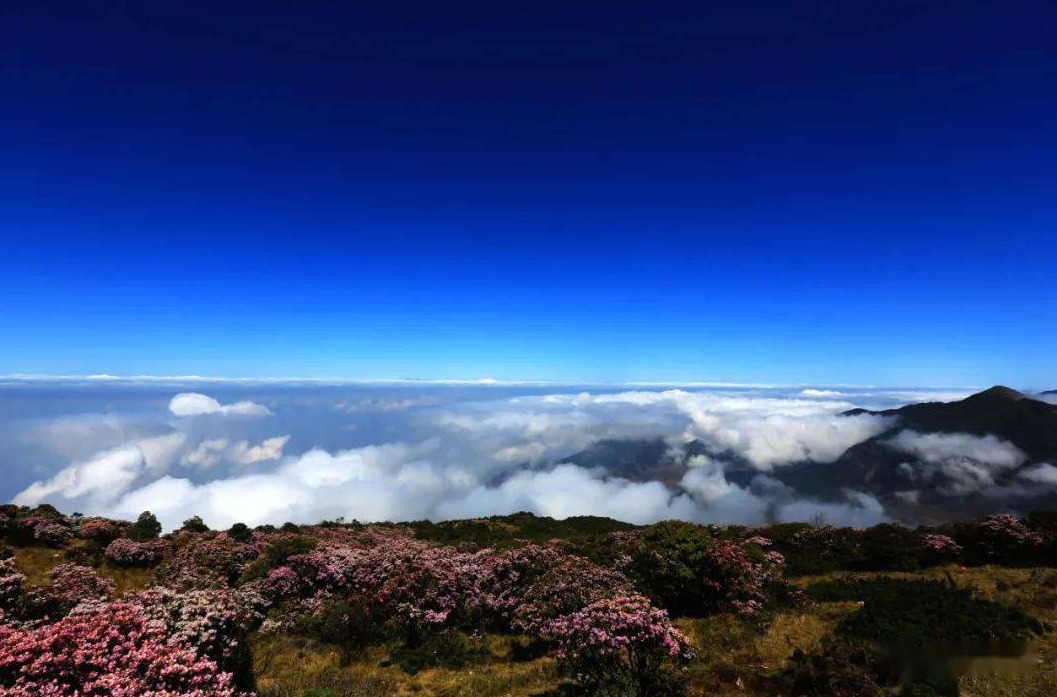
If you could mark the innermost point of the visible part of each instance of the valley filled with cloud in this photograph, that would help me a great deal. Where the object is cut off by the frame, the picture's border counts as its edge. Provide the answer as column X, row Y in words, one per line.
column 270, row 452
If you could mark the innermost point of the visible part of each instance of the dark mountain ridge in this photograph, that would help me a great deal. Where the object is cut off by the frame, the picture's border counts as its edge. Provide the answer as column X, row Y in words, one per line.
column 1027, row 423
column 875, row 466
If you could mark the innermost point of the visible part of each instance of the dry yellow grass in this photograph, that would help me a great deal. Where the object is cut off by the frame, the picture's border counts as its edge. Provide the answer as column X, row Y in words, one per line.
column 291, row 667
column 37, row 562
column 734, row 658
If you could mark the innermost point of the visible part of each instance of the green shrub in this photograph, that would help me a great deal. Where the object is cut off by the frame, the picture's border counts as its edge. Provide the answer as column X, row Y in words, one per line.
column 145, row 528
column 240, row 532
column 888, row 547
column 277, row 554
column 194, row 524
column 669, row 561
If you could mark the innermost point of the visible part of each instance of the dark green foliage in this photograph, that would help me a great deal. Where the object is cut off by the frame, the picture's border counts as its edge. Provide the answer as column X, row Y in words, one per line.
column 277, row 554
column 920, row 612
column 839, row 670
column 46, row 510
column 145, row 528
column 290, row 527
column 194, row 524
column 350, row 624
column 813, row 550
column 1043, row 521
column 901, row 634
column 240, row 532
column 511, row 530
column 888, row 547
column 669, row 563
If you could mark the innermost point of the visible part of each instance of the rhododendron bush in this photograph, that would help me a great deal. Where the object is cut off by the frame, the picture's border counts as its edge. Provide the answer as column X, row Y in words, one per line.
column 11, row 584
column 126, row 552
column 601, row 606
column 72, row 584
column 111, row 650
column 619, row 645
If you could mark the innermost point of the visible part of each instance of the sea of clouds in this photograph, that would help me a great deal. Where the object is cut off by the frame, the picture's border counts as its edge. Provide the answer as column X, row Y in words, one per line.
column 273, row 451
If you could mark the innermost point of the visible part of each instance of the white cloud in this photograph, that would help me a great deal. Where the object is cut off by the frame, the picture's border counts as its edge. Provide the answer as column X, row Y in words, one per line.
column 197, row 404
column 1042, row 473
column 812, row 392
column 767, row 431
column 213, row 451
column 569, row 490
column 963, row 463
column 102, row 478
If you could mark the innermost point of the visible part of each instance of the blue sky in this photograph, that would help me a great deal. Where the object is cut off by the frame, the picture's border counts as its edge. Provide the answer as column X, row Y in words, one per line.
column 792, row 192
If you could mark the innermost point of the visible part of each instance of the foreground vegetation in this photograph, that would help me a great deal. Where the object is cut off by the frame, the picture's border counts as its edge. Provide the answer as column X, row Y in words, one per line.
column 521, row 605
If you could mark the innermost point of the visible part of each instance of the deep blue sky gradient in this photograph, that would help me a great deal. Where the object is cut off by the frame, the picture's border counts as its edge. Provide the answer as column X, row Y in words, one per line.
column 772, row 191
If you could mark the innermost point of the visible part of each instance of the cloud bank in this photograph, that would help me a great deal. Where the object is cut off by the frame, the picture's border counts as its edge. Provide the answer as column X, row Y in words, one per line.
column 445, row 454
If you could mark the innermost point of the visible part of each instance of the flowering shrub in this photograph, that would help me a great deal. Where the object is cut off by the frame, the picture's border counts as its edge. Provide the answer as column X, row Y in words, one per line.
column 438, row 589
column 282, row 583
column 619, row 645
column 101, row 530
column 508, row 576
column 72, row 584
column 1008, row 528
column 939, row 549
column 214, row 622
column 207, row 561
column 11, row 584
column 126, row 552
column 110, row 651
column 741, row 577
column 569, row 585
column 1001, row 539
column 51, row 533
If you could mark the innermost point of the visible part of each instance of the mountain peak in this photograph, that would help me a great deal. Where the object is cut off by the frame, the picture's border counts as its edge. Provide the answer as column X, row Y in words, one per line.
column 1000, row 392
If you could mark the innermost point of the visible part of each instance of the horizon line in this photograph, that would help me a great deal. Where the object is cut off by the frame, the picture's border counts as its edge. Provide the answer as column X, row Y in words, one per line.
column 103, row 378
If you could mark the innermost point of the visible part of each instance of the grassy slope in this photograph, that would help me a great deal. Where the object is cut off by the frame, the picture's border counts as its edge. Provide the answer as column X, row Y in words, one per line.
column 732, row 658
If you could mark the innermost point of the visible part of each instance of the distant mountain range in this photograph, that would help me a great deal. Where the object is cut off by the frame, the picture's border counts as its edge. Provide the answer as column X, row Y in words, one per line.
column 966, row 463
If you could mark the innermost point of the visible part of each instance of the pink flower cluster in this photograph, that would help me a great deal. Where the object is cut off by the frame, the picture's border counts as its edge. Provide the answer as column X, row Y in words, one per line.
column 214, row 622
column 72, row 584
column 941, row 545
column 618, row 640
column 112, row 650
column 51, row 533
column 207, row 560
column 1008, row 528
column 740, row 580
column 11, row 584
column 101, row 530
column 126, row 552
column 422, row 586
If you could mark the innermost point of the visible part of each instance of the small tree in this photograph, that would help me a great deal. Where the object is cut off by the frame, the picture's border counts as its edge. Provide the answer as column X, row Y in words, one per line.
column 194, row 524
column 146, row 527
column 240, row 532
